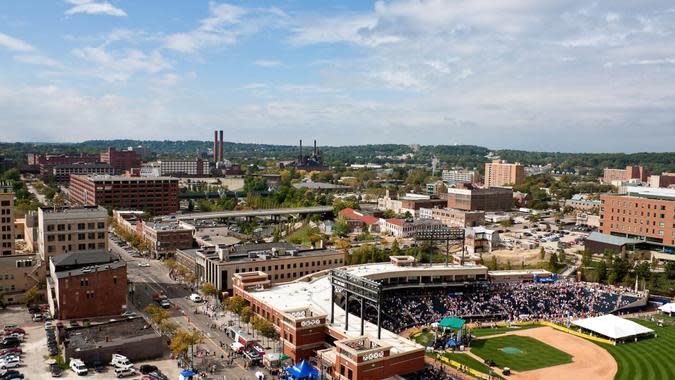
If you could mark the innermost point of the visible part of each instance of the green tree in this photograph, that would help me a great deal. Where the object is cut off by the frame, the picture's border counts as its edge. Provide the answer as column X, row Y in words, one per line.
column 234, row 304
column 208, row 289
column 246, row 314
column 182, row 341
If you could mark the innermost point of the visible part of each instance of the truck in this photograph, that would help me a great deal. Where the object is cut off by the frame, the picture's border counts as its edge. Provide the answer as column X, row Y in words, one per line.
column 77, row 366
column 160, row 297
column 120, row 361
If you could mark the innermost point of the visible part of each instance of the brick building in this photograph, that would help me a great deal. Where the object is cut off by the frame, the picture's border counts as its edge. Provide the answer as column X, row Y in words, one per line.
column 121, row 160
column 630, row 172
column 501, row 173
column 166, row 237
column 156, row 194
column 643, row 213
column 18, row 273
column 62, row 172
column 43, row 163
column 467, row 197
column 87, row 285
column 663, row 180
column 7, row 244
column 454, row 218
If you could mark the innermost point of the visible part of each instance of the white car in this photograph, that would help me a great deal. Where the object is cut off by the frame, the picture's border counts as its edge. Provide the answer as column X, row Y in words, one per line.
column 143, row 265
column 10, row 362
column 77, row 366
column 123, row 372
column 120, row 361
column 196, row 298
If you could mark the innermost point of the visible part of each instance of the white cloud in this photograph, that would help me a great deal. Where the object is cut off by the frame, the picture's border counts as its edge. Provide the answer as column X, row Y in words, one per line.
column 15, row 44
column 93, row 7
column 267, row 63
column 212, row 31
column 119, row 66
column 37, row 59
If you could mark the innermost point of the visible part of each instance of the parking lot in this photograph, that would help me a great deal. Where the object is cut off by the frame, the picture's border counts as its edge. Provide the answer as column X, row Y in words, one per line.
column 35, row 355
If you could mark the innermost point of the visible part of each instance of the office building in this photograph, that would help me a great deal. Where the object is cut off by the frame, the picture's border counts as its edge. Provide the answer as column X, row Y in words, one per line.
column 67, row 230
column 410, row 203
column 401, row 228
column 177, row 168
column 121, row 160
column 61, row 173
column 467, row 197
column 158, row 195
column 18, row 273
column 7, row 244
column 501, row 173
column 44, row 163
column 663, row 180
column 87, row 284
column 630, row 172
column 165, row 238
column 643, row 213
column 459, row 175
column 282, row 261
column 453, row 217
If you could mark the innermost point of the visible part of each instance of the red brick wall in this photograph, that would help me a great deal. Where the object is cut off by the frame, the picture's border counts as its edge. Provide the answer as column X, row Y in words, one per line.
column 108, row 299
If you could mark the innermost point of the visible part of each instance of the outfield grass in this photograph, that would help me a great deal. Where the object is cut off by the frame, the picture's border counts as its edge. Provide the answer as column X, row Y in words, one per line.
column 468, row 361
column 533, row 353
column 425, row 338
column 646, row 359
column 500, row 330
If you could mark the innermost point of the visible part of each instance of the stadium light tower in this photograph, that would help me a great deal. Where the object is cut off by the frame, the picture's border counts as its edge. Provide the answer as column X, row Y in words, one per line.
column 440, row 232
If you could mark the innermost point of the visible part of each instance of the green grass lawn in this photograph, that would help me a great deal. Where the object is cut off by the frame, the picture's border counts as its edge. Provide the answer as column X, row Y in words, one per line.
column 646, row 359
column 425, row 338
column 529, row 353
column 500, row 330
column 469, row 362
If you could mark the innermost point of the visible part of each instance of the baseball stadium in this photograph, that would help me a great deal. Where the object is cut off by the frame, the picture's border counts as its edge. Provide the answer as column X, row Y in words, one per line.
column 407, row 320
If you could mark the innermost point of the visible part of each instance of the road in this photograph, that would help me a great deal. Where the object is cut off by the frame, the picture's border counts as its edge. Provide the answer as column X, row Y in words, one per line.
column 155, row 278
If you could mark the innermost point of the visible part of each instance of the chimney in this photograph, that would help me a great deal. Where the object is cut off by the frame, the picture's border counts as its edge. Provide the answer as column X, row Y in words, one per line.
column 221, row 147
column 215, row 146
column 314, row 148
column 300, row 160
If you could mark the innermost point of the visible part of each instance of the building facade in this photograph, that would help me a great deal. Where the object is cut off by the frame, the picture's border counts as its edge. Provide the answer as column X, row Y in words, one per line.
column 62, row 172
column 121, row 160
column 643, row 213
column 630, row 172
column 501, row 173
column 67, row 230
column 156, row 194
column 7, row 244
column 459, row 176
column 471, row 199
column 455, row 218
column 165, row 238
column 87, row 285
column 663, row 180
column 18, row 273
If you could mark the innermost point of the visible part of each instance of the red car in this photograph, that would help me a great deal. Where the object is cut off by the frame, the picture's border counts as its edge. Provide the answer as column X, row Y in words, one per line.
column 8, row 350
column 15, row 330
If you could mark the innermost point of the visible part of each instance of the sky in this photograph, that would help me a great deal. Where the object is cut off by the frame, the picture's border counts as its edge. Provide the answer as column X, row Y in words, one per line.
column 550, row 75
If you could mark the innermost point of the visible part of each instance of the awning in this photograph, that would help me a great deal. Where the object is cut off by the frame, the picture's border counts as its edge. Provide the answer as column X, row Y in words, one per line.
column 451, row 323
column 303, row 370
column 668, row 308
column 613, row 327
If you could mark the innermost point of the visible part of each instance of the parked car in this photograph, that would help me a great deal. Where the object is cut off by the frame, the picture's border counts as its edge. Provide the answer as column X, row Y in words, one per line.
column 165, row 304
column 11, row 375
column 99, row 366
column 55, row 370
column 120, row 361
column 196, row 298
column 13, row 349
column 147, row 368
column 124, row 372
column 10, row 362
column 9, row 342
column 77, row 366
column 157, row 375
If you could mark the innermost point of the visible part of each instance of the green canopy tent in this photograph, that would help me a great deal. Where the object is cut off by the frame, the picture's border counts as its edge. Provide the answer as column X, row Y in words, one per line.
column 451, row 323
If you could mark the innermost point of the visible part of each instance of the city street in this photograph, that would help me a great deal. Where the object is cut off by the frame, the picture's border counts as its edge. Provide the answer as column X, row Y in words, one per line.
column 153, row 279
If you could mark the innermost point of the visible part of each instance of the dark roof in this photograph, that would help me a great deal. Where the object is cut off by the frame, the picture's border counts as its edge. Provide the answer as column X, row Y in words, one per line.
column 79, row 258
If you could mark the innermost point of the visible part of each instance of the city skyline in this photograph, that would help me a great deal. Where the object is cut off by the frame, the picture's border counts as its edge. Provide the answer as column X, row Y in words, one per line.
column 560, row 76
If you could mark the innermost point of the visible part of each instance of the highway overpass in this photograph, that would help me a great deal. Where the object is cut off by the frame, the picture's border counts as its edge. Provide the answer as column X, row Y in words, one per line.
column 255, row 213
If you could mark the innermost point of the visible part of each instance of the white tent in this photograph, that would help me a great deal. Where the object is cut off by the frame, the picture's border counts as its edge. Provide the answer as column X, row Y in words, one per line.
column 668, row 308
column 613, row 327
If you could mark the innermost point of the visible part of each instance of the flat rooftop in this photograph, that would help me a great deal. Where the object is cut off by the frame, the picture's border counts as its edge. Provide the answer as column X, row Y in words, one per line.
column 317, row 294
column 104, row 177
column 651, row 192
column 109, row 333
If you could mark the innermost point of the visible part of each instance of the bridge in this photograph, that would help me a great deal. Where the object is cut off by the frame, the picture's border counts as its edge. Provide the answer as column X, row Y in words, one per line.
column 255, row 213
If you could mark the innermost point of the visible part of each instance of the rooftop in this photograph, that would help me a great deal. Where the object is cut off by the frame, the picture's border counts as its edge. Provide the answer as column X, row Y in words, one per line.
column 79, row 211
column 320, row 186
column 105, row 177
column 78, row 263
column 108, row 333
column 651, row 192
column 611, row 239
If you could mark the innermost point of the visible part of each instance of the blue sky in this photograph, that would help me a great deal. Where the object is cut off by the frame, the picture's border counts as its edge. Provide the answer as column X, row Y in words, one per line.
column 554, row 75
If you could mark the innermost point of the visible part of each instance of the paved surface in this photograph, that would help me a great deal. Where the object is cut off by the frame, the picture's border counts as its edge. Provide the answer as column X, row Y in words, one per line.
column 155, row 278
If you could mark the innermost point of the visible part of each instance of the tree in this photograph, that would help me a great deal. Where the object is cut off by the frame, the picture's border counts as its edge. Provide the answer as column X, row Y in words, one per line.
column 157, row 314
column 235, row 304
column 31, row 295
column 553, row 263
column 669, row 268
column 340, row 227
column 506, row 223
column 168, row 328
column 643, row 270
column 534, row 218
column 246, row 314
column 209, row 290
column 542, row 253
column 395, row 249
column 182, row 341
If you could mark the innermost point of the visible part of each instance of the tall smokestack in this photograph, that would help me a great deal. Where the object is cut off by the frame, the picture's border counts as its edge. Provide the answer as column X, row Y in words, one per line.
column 314, row 148
column 221, row 147
column 300, row 160
column 215, row 146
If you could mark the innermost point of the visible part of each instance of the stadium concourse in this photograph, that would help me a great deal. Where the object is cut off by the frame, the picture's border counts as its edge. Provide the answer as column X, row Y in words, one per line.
column 309, row 313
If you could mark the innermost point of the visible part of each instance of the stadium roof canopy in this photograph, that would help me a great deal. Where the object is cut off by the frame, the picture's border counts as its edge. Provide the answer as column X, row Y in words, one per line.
column 613, row 327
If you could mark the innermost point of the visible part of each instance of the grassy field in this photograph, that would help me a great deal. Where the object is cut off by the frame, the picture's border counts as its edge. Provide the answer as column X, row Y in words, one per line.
column 525, row 353
column 468, row 361
column 647, row 359
column 424, row 338
column 500, row 330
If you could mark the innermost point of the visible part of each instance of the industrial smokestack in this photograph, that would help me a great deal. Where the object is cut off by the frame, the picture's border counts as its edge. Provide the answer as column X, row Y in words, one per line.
column 221, row 147
column 300, row 160
column 314, row 148
column 215, row 146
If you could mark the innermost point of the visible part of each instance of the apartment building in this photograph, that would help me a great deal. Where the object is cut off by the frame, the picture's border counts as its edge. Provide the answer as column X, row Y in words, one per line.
column 66, row 230
column 18, row 273
column 459, row 176
column 501, row 173
column 87, row 284
column 630, row 172
column 158, row 195
column 283, row 262
column 467, row 197
column 121, row 160
column 453, row 217
column 7, row 244
column 643, row 213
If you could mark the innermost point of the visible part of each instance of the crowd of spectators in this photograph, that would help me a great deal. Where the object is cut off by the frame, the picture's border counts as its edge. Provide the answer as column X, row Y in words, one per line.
column 509, row 302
